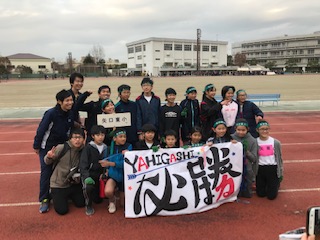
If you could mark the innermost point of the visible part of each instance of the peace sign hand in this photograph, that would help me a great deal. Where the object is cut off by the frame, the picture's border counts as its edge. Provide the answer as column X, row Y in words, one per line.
column 51, row 153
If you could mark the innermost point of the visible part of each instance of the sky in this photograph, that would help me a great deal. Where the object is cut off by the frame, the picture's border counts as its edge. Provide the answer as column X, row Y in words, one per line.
column 54, row 28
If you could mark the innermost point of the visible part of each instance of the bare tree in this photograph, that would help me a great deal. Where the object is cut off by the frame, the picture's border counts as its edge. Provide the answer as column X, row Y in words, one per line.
column 97, row 52
column 240, row 59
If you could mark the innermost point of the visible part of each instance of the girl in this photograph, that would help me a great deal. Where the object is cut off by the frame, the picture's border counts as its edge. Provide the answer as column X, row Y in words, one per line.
column 219, row 133
column 190, row 114
column 209, row 110
column 249, row 111
column 107, row 107
column 195, row 137
column 270, row 168
column 250, row 149
column 229, row 106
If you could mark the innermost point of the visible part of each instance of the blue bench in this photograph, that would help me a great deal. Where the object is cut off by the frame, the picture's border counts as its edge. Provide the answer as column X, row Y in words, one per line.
column 260, row 98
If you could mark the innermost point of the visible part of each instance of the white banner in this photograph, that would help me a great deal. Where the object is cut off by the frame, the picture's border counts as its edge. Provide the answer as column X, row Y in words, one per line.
column 181, row 181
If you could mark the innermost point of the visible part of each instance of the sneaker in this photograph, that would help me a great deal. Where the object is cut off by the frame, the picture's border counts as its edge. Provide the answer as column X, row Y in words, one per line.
column 44, row 206
column 89, row 210
column 112, row 207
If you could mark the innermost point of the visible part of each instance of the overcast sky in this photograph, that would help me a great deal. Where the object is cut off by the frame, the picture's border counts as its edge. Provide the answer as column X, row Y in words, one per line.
column 54, row 28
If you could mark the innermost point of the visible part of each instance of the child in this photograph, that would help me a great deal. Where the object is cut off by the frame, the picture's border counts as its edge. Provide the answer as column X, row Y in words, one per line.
column 190, row 114
column 53, row 129
column 90, row 167
column 125, row 105
column 170, row 115
column 93, row 108
column 148, row 131
column 270, row 168
column 114, row 165
column 195, row 137
column 170, row 139
column 219, row 133
column 250, row 149
column 148, row 106
column 210, row 109
column 249, row 111
column 229, row 109
column 107, row 107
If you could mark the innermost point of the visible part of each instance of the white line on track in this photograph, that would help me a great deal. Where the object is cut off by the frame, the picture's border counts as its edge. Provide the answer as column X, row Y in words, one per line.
column 14, row 154
column 302, row 161
column 19, row 204
column 300, row 190
column 294, row 132
column 19, row 173
column 289, row 123
column 304, row 143
column 18, row 132
column 17, row 141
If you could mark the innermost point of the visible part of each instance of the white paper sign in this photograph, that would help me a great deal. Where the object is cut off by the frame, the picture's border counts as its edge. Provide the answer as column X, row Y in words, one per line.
column 181, row 181
column 114, row 120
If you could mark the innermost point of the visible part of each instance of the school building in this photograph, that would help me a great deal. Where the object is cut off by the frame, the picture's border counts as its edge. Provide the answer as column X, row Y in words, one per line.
column 37, row 63
column 172, row 56
column 298, row 51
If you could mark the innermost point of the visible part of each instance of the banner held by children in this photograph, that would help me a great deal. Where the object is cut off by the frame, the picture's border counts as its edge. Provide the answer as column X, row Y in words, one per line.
column 181, row 181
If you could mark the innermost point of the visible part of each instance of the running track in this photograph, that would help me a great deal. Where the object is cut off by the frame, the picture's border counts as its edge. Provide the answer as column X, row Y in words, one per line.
column 257, row 219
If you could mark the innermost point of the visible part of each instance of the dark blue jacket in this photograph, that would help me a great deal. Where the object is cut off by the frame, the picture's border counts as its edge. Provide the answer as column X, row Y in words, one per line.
column 192, row 119
column 249, row 112
column 148, row 112
column 54, row 128
column 131, row 107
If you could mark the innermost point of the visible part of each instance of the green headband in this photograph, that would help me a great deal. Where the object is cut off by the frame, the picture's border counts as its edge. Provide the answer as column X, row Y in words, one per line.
column 218, row 123
column 208, row 87
column 189, row 90
column 239, row 91
column 264, row 123
column 105, row 102
column 119, row 133
column 242, row 124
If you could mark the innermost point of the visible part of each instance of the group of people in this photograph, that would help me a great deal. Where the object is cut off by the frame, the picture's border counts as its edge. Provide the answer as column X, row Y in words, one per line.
column 85, row 163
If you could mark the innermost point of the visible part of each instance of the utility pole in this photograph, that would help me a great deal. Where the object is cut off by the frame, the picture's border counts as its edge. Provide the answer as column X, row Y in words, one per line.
column 198, row 50
column 70, row 62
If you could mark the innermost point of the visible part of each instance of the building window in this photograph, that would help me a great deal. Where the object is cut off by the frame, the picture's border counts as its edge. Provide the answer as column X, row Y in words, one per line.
column 139, row 57
column 187, row 47
column 294, row 52
column 178, row 47
column 138, row 49
column 318, row 41
column 144, row 48
column 167, row 46
column 144, row 64
column 311, row 51
column 194, row 47
column 157, row 50
column 214, row 48
column 131, row 58
column 205, row 48
column 130, row 50
column 187, row 64
column 301, row 52
column 138, row 65
column 157, row 59
column 42, row 66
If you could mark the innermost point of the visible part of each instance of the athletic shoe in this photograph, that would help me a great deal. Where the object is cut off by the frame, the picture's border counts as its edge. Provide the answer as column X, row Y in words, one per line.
column 112, row 207
column 44, row 206
column 89, row 210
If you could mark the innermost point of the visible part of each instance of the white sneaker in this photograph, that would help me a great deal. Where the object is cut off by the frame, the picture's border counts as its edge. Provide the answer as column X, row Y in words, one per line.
column 112, row 207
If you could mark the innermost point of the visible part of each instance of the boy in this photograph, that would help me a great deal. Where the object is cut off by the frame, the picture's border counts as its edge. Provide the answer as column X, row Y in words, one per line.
column 148, row 106
column 93, row 108
column 148, row 131
column 90, row 167
column 170, row 139
column 125, row 105
column 53, row 129
column 64, row 182
column 114, row 165
column 170, row 115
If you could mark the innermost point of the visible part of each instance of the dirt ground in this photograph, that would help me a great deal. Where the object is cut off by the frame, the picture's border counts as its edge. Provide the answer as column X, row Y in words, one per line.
column 41, row 93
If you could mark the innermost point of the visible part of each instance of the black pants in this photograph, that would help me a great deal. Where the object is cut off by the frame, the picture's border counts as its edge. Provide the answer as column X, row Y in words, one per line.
column 91, row 193
column 267, row 182
column 60, row 197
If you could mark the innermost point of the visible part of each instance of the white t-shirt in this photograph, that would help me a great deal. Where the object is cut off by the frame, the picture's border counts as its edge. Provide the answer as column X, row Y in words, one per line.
column 100, row 148
column 266, row 152
column 149, row 145
column 148, row 98
column 229, row 113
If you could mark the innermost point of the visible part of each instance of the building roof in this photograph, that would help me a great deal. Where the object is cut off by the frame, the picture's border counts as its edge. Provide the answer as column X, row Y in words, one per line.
column 25, row 56
column 156, row 39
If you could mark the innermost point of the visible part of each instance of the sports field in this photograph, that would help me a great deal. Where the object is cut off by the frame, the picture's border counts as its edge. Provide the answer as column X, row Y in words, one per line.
column 253, row 219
